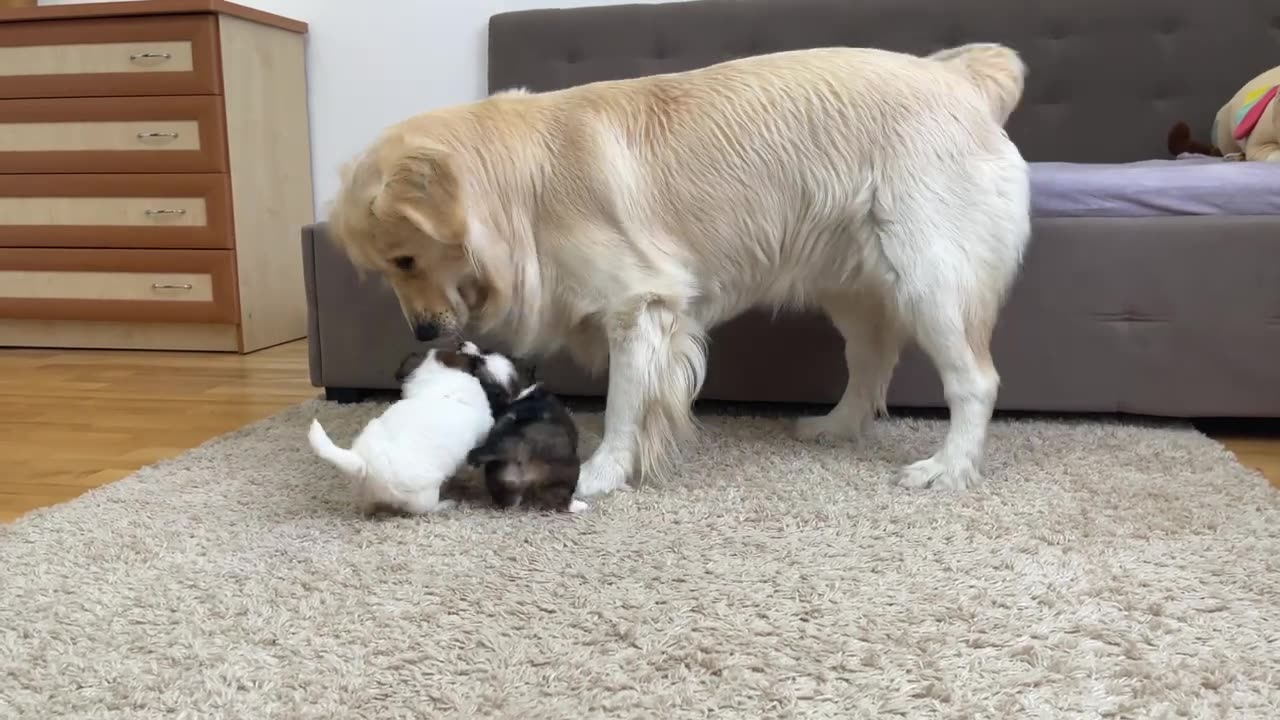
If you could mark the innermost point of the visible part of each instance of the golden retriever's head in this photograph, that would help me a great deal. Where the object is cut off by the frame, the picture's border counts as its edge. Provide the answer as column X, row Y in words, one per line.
column 401, row 212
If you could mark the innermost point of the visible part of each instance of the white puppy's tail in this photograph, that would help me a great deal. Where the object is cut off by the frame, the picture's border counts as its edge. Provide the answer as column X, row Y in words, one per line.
column 345, row 460
column 995, row 70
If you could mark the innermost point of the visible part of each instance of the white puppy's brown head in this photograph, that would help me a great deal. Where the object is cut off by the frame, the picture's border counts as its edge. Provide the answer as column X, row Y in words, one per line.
column 418, row 370
column 402, row 212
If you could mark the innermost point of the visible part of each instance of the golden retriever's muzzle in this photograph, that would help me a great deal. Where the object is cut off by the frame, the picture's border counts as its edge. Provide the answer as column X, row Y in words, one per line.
column 433, row 327
column 425, row 330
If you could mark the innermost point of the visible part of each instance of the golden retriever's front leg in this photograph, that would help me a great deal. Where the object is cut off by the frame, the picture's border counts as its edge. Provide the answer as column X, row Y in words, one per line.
column 657, row 361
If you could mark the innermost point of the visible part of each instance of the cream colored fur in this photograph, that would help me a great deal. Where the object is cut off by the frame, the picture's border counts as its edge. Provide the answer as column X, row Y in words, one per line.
column 622, row 220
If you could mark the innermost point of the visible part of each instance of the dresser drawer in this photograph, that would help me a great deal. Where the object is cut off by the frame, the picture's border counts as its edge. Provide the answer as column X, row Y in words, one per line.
column 196, row 286
column 127, row 135
column 115, row 211
column 174, row 55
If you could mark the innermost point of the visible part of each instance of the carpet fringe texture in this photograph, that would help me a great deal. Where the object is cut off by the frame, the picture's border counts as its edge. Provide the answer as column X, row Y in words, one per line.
column 1104, row 569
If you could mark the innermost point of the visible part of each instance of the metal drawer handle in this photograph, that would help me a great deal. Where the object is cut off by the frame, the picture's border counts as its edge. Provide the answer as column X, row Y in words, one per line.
column 145, row 135
column 151, row 56
column 164, row 211
column 170, row 286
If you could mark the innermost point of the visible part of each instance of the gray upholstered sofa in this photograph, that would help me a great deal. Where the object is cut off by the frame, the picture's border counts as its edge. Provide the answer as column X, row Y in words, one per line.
column 1175, row 315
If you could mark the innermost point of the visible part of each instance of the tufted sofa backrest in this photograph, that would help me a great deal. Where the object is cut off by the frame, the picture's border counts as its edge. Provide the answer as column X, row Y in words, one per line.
column 1108, row 78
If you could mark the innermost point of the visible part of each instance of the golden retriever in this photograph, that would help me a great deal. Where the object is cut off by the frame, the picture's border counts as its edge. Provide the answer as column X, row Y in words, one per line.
column 621, row 220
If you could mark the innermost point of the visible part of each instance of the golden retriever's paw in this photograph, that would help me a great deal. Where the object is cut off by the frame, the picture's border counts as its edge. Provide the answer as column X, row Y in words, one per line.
column 826, row 428
column 601, row 474
column 939, row 475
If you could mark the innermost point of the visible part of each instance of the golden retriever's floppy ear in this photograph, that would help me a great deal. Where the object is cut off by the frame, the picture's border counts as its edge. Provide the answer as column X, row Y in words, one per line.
column 422, row 188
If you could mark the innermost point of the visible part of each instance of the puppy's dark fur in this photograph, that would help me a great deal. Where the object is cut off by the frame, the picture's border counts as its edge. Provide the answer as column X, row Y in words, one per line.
column 530, row 457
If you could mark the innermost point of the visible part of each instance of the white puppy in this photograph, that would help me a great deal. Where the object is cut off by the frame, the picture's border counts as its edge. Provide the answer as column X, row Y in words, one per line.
column 401, row 459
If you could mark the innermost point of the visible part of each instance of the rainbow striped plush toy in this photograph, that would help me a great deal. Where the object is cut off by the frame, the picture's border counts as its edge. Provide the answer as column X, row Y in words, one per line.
column 1249, row 125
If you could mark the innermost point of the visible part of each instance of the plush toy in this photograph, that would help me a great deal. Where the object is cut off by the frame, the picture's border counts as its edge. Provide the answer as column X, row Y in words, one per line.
column 1250, row 122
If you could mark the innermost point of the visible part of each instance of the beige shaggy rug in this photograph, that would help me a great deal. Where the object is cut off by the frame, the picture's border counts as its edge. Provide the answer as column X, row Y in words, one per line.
column 1104, row 570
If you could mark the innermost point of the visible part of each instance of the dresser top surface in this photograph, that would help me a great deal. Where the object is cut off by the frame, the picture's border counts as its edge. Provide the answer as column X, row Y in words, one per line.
column 133, row 8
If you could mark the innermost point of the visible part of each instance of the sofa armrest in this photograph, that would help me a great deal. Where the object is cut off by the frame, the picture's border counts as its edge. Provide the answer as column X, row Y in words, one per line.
column 314, row 357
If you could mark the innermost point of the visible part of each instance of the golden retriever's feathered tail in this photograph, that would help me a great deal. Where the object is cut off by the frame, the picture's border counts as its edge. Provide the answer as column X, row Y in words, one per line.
column 996, row 71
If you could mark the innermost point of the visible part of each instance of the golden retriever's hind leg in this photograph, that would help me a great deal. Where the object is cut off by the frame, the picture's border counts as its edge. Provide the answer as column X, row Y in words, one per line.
column 872, row 341
column 955, row 331
column 657, row 363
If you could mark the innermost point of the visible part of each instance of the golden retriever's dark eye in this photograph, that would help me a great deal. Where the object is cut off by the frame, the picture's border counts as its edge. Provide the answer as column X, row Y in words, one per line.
column 404, row 262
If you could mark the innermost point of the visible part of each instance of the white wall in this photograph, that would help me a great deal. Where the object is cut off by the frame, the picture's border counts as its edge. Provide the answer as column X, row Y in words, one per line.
column 375, row 62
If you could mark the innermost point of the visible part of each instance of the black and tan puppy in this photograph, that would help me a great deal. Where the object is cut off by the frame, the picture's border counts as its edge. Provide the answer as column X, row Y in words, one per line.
column 530, row 457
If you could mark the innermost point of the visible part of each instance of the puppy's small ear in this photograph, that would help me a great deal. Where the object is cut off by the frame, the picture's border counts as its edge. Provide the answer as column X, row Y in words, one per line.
column 408, row 365
column 422, row 189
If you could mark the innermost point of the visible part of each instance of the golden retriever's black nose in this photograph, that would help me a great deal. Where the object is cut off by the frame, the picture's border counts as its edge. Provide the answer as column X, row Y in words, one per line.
column 426, row 331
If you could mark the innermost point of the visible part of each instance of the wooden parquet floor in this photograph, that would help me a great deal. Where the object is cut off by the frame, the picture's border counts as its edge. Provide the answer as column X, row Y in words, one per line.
column 74, row 420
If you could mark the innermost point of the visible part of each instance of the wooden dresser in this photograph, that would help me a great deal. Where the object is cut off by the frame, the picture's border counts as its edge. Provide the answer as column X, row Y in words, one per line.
column 155, row 172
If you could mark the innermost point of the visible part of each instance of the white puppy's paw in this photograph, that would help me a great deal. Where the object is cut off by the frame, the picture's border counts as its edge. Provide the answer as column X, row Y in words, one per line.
column 939, row 475
column 577, row 506
column 430, row 507
column 826, row 427
column 601, row 474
